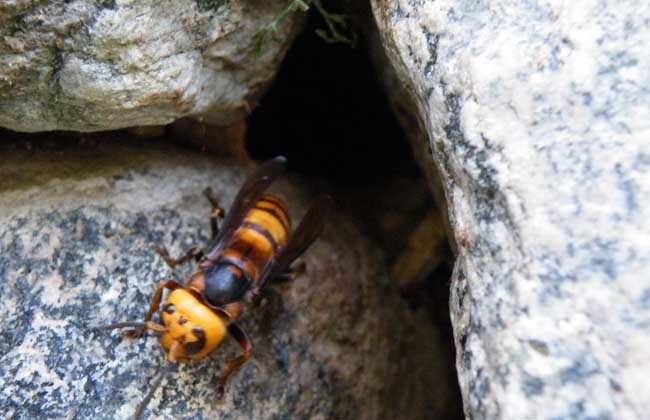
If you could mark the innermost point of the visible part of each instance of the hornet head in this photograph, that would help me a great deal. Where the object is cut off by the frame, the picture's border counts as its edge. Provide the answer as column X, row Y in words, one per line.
column 193, row 329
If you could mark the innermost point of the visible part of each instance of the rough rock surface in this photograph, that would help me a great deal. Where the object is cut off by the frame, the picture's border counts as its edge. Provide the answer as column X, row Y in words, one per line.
column 537, row 118
column 95, row 65
column 77, row 227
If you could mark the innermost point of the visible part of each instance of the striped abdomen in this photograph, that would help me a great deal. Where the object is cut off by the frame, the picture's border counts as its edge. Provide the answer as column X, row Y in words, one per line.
column 264, row 231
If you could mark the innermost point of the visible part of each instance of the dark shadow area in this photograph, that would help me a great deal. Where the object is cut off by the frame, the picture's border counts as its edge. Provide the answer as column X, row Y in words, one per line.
column 327, row 113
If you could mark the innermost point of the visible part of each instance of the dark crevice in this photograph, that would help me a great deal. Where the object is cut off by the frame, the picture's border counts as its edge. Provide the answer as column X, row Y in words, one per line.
column 327, row 113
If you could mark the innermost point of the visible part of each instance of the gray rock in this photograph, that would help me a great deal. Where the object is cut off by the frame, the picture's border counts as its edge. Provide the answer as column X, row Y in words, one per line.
column 77, row 228
column 537, row 116
column 95, row 65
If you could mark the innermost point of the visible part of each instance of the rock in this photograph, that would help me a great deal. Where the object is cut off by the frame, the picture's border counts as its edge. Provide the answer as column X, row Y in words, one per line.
column 536, row 115
column 226, row 141
column 96, row 65
column 77, row 230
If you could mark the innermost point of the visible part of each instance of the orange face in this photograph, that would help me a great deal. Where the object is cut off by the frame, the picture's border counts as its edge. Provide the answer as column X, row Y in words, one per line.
column 194, row 329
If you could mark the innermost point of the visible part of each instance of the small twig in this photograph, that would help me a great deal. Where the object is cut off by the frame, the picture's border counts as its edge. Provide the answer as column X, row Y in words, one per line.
column 338, row 26
column 272, row 28
column 335, row 23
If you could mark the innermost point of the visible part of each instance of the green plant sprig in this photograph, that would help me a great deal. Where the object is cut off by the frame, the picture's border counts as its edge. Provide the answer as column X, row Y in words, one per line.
column 338, row 27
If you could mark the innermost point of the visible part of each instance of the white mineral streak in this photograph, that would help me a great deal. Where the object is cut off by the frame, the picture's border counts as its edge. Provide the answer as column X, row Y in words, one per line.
column 538, row 115
column 88, row 65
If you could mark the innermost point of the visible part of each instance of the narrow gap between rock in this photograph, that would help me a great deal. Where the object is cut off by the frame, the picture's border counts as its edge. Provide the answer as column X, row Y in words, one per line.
column 327, row 113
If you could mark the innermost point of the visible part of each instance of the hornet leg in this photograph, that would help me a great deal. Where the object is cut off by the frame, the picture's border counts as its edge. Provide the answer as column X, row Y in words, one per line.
column 257, row 298
column 216, row 213
column 262, row 299
column 133, row 324
column 291, row 274
column 192, row 253
column 155, row 302
column 233, row 310
column 234, row 364
column 137, row 329
column 195, row 253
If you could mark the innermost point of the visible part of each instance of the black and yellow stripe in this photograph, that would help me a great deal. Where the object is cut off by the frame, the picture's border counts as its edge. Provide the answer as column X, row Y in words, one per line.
column 264, row 231
column 274, row 206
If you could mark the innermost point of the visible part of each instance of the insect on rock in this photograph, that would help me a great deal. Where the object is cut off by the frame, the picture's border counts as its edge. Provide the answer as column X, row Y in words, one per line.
column 252, row 247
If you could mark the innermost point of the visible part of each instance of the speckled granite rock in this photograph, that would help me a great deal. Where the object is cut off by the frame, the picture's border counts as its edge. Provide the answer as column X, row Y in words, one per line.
column 95, row 65
column 77, row 227
column 538, row 118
